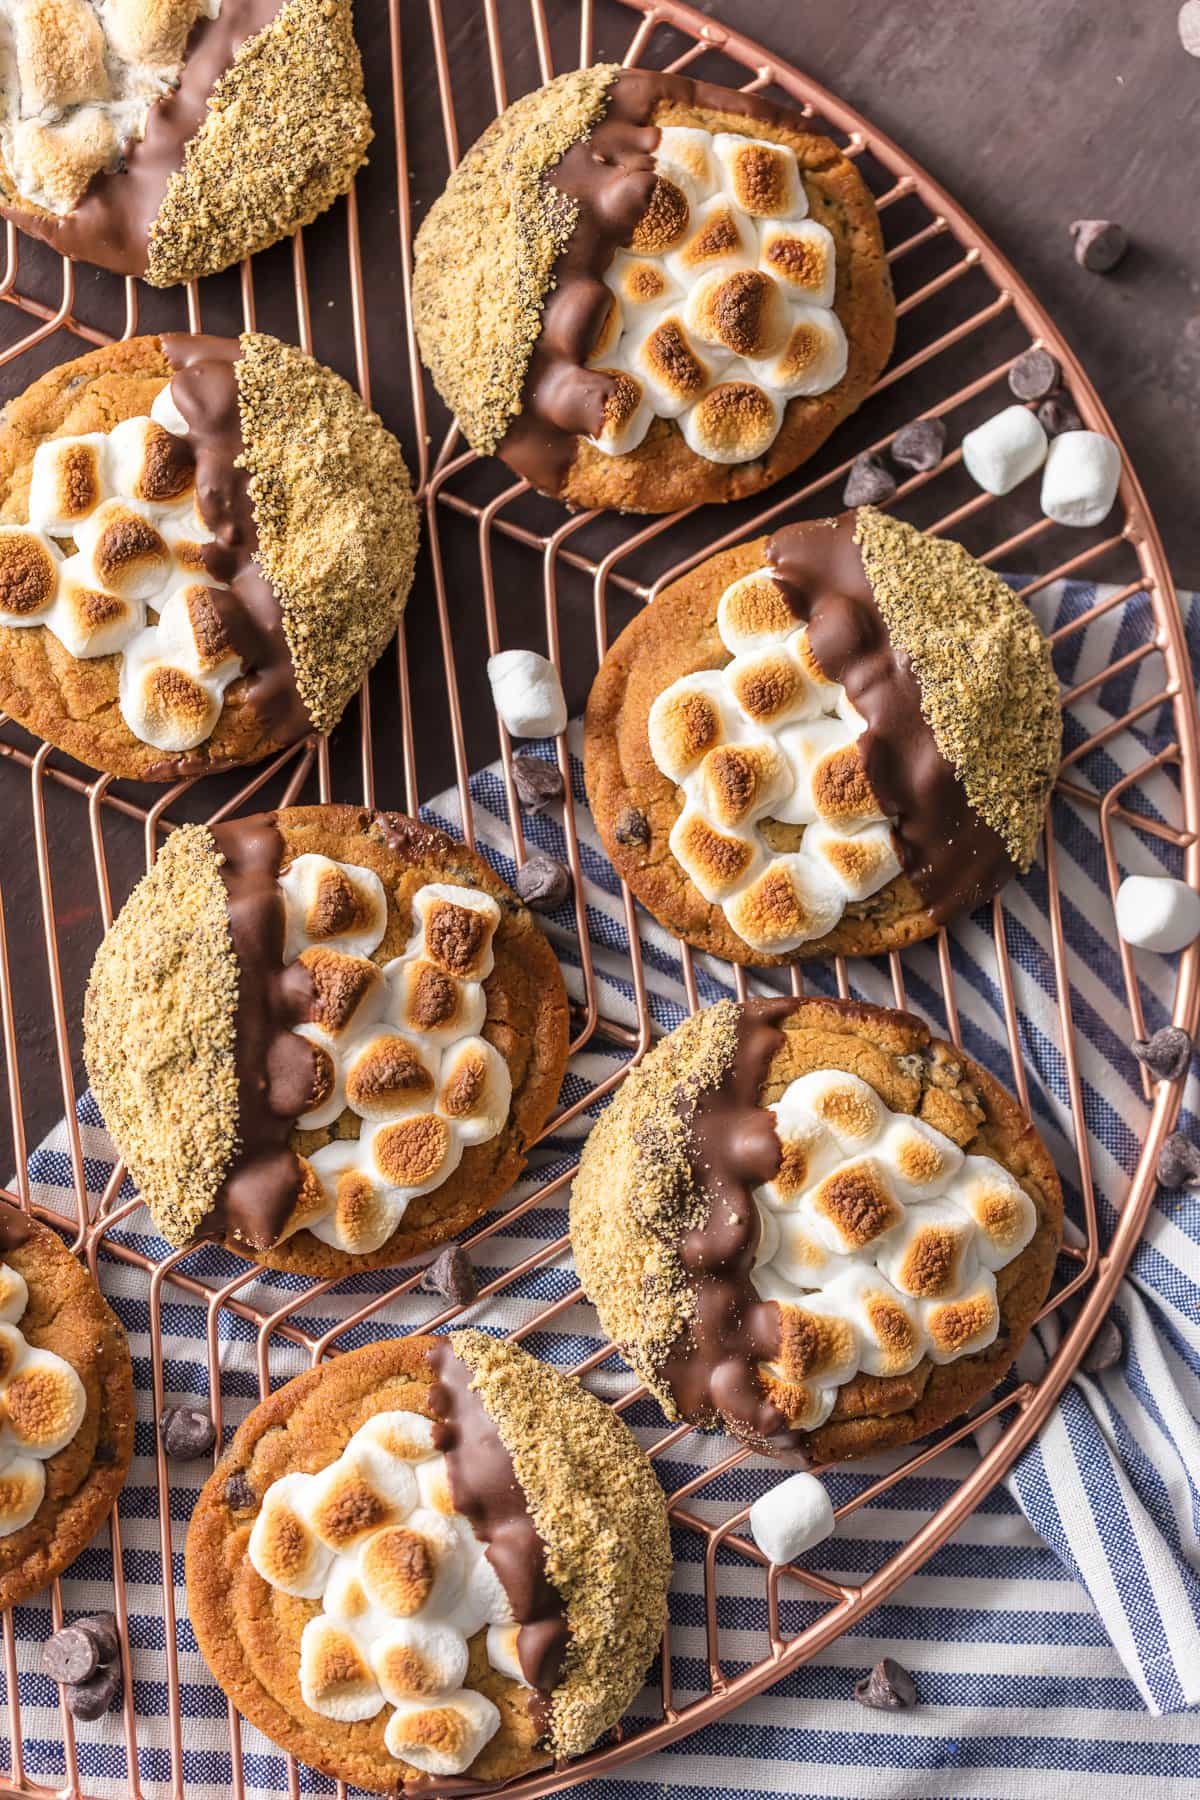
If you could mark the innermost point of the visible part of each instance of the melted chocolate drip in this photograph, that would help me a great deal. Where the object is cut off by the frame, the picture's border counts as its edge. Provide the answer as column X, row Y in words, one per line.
column 953, row 857
column 15, row 1228
column 733, row 1148
column 110, row 224
column 485, row 1489
column 611, row 175
column 277, row 1072
column 204, row 388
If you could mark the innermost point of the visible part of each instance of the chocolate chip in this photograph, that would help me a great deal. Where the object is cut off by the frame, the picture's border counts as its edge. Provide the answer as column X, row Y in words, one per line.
column 1167, row 1054
column 542, row 883
column 70, row 1655
column 91, row 1699
column 1189, row 26
column 1056, row 415
column 102, row 1629
column 239, row 1495
column 104, row 1455
column 869, row 482
column 1105, row 1350
column 1034, row 375
column 920, row 445
column 912, row 1065
column 632, row 826
column 187, row 1432
column 451, row 1274
column 1099, row 244
column 888, row 1688
column 537, row 782
column 1179, row 1162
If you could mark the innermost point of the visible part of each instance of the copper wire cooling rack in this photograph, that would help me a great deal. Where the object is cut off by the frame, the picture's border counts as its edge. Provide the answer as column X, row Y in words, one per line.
column 341, row 288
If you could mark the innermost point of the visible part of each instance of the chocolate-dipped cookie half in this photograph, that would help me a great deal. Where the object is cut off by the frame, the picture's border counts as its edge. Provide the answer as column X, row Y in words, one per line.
column 66, row 1407
column 434, row 1557
column 824, row 742
column 643, row 291
column 171, row 138
column 324, row 1034
column 814, row 1224
column 205, row 544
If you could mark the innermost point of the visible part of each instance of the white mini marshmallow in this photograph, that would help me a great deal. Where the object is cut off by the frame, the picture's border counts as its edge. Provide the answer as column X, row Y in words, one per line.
column 483, row 1600
column 891, row 1339
column 718, row 863
column 961, row 1324
column 164, row 412
column 685, row 157
column 283, row 1547
column 1083, row 471
column 451, row 1750
column 847, row 1106
column 1155, row 912
column 380, row 1160
column 527, row 693
column 791, row 1517
column 340, row 905
column 335, row 1677
column 14, row 1294
column 690, row 718
column 801, row 1262
column 67, row 483
column 400, row 1435
column 135, row 463
column 1004, row 450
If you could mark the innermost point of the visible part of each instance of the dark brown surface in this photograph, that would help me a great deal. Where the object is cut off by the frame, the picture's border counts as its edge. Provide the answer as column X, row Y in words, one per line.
column 1032, row 116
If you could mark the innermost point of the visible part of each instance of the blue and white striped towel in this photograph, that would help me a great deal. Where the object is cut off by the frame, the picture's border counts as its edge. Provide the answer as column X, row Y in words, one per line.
column 1063, row 1616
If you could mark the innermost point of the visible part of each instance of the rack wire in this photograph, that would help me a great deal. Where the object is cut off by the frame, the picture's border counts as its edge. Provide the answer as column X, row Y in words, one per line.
column 963, row 317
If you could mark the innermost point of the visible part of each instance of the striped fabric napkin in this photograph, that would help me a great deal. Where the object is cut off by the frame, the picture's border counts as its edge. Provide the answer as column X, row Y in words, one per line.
column 1061, row 1617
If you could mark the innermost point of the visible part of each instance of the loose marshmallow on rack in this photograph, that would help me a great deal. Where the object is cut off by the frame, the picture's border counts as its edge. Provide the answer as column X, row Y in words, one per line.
column 42, row 1406
column 527, row 693
column 403, row 1582
column 1081, row 477
column 791, row 1517
column 1000, row 453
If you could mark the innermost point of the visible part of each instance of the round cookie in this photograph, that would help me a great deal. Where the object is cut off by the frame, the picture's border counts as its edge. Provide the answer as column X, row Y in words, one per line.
column 646, row 292
column 430, row 1557
column 66, row 1405
column 205, row 544
column 171, row 138
column 815, row 1224
column 324, row 1034
column 826, row 742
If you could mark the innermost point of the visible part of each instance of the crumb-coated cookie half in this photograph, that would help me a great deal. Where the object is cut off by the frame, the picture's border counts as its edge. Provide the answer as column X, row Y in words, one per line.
column 66, row 1406
column 644, row 292
column 325, row 1034
column 813, row 1223
column 435, row 1556
column 826, row 742
column 205, row 544
column 170, row 138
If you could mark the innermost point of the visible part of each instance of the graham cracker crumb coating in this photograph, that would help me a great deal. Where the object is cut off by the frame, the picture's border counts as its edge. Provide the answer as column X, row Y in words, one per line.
column 286, row 129
column 158, row 1024
column 599, row 1510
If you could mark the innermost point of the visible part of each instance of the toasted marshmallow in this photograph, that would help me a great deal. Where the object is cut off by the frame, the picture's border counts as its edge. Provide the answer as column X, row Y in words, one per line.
column 502, row 1652
column 809, row 745
column 753, row 615
column 761, row 178
column 643, row 290
column 628, row 415
column 454, row 927
column 685, row 157
column 772, row 688
column 67, row 483
column 433, row 1481
column 842, row 794
column 53, row 163
column 422, row 1563
column 891, row 1340
column 328, row 1098
column 163, row 704
column 963, row 1324
column 345, row 1598
column 403, row 1436
column 931, row 1255
column 413, row 1154
column 818, row 1341
column 790, row 903
column 339, row 905
column 483, row 1600
column 150, row 463
column 807, row 1150
column 861, row 862
column 59, row 49
column 43, row 1404
column 718, row 863
column 445, row 1738
column 14, row 1296
column 608, row 334
column 388, row 1077
column 363, row 1211
column 738, row 310
column 1004, row 1215
column 123, row 551
column 847, row 1106
column 672, row 371
column 29, row 575
column 22, row 1484
column 13, row 1351
column 854, row 1206
column 191, row 631
column 349, row 1502
column 348, row 991
column 86, row 620
column 741, row 782
column 414, row 1661
column 720, row 238
column 335, row 1677
column 426, row 1001
column 664, row 222
column 154, row 33
column 805, row 1404
column 687, row 720
column 185, row 535
column 921, row 1162
column 801, row 1259
column 476, row 1090
column 164, row 412
column 813, row 358
column 733, row 422
column 802, row 257
column 283, row 1546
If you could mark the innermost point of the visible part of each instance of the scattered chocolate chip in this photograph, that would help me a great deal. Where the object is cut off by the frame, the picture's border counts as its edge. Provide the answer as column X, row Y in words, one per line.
column 537, row 782
column 869, row 482
column 1105, row 1350
column 1056, row 415
column 542, row 883
column 1179, row 1162
column 187, row 1432
column 102, row 1629
column 1099, row 244
column 888, row 1688
column 1034, row 375
column 1167, row 1054
column 451, row 1274
column 91, row 1699
column 920, row 445
column 1189, row 26
column 632, row 826
column 69, row 1656
column 239, row 1495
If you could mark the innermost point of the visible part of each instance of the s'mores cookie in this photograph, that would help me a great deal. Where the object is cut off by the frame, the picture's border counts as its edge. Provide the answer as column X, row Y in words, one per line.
column 324, row 1035
column 644, row 291
column 170, row 138
column 813, row 1223
column 824, row 742
column 205, row 544
column 66, row 1406
column 434, row 1557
